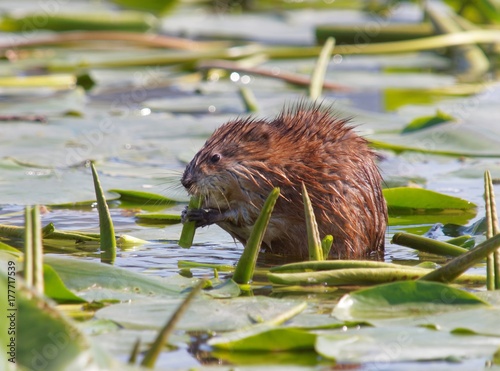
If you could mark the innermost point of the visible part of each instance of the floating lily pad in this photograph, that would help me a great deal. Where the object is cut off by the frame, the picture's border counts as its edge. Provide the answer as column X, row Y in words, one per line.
column 480, row 321
column 202, row 314
column 224, row 289
column 427, row 121
column 140, row 197
column 266, row 339
column 396, row 344
column 55, row 288
column 46, row 339
column 403, row 299
column 422, row 200
column 79, row 274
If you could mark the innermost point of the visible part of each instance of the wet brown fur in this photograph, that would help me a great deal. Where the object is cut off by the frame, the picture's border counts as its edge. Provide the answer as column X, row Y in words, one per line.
column 305, row 143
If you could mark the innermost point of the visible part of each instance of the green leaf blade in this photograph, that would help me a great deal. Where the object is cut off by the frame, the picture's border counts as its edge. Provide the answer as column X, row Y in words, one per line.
column 55, row 288
column 107, row 230
column 189, row 228
column 146, row 198
column 425, row 122
column 246, row 264
column 423, row 200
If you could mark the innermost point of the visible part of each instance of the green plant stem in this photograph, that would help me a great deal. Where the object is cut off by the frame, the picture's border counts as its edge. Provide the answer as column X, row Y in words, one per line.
column 460, row 240
column 308, row 266
column 62, row 81
column 217, row 267
column 63, row 21
column 354, row 34
column 132, row 359
column 319, row 72
column 171, row 57
column 28, row 248
column 140, row 38
column 189, row 228
column 156, row 348
column 68, row 235
column 492, row 260
column 460, row 264
column 249, row 99
column 358, row 276
column 246, row 264
column 19, row 232
column 37, row 247
column 471, row 63
column 48, row 232
column 490, row 263
column 285, row 316
column 326, row 245
column 106, row 228
column 313, row 240
column 427, row 43
column 427, row 244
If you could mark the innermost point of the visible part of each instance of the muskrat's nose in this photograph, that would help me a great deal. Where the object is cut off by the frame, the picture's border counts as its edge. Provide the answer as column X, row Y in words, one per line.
column 187, row 180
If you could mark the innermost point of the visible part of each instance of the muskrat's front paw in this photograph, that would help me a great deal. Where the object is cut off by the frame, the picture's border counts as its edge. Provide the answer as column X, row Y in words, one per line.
column 201, row 217
column 184, row 217
column 191, row 215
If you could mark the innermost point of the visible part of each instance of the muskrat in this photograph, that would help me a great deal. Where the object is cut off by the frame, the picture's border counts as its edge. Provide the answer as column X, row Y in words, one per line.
column 245, row 158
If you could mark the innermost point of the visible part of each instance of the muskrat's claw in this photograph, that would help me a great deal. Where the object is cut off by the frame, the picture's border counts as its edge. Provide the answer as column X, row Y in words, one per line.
column 184, row 217
column 202, row 217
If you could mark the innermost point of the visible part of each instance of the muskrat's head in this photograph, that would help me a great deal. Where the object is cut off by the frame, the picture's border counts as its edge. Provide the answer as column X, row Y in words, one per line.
column 231, row 163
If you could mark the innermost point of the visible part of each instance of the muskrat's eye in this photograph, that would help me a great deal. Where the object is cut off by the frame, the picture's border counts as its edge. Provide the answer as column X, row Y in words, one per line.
column 215, row 158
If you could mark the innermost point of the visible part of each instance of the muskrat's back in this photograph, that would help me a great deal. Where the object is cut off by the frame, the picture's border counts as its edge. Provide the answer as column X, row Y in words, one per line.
column 244, row 159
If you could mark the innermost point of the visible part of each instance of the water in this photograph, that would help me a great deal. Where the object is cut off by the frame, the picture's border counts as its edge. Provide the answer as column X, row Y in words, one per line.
column 141, row 125
column 212, row 244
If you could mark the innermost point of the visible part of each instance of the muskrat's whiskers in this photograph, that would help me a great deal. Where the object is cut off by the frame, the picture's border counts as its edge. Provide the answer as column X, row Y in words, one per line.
column 173, row 187
column 223, row 196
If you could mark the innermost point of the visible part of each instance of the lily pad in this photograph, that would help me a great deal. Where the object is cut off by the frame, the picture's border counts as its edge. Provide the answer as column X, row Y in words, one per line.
column 422, row 200
column 401, row 217
column 267, row 339
column 9, row 249
column 480, row 321
column 224, row 289
column 79, row 274
column 396, row 344
column 277, row 361
column 121, row 341
column 55, row 288
column 403, row 299
column 46, row 339
column 139, row 197
column 448, row 139
column 202, row 315
column 427, row 121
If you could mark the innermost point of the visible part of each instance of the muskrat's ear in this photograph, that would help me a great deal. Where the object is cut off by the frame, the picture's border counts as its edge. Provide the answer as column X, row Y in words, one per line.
column 260, row 132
